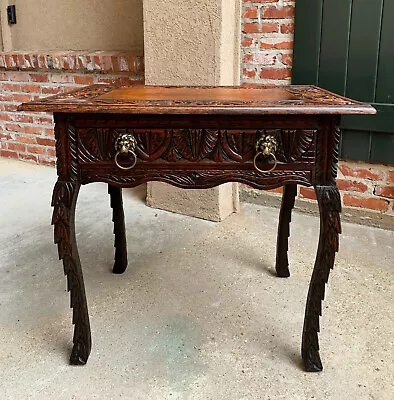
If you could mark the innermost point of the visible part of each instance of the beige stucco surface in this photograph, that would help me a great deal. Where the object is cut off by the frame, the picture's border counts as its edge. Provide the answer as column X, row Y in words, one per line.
column 51, row 25
column 192, row 43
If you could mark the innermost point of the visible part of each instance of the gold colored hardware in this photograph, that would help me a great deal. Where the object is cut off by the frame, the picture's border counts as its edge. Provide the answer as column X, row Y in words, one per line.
column 266, row 147
column 125, row 144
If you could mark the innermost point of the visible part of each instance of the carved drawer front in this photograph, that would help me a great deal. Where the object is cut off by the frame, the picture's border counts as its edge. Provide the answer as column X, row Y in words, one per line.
column 293, row 148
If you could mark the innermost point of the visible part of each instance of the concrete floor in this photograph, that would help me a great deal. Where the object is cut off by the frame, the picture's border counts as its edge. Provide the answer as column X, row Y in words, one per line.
column 198, row 315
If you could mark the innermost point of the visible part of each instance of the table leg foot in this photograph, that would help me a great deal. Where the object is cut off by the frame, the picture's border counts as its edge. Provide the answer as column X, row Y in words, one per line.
column 80, row 353
column 288, row 199
column 312, row 361
column 120, row 244
column 329, row 201
column 64, row 202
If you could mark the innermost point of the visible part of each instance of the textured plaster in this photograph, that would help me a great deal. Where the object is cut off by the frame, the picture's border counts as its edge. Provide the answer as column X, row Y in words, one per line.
column 192, row 43
column 112, row 25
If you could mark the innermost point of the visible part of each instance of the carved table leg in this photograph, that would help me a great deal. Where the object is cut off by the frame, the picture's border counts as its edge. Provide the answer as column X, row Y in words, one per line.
column 119, row 229
column 329, row 201
column 64, row 201
column 288, row 199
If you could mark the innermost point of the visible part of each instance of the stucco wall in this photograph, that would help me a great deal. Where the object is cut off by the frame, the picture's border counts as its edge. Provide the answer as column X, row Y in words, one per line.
column 51, row 25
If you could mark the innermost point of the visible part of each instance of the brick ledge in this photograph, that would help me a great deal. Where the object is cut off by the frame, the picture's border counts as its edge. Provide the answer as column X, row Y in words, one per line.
column 72, row 61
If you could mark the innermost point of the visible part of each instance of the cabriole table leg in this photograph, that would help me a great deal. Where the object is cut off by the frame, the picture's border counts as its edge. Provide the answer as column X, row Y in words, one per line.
column 329, row 201
column 64, row 201
column 282, row 246
column 120, row 243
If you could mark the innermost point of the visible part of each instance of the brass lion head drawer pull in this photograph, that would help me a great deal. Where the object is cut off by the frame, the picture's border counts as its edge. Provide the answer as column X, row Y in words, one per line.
column 124, row 145
column 266, row 147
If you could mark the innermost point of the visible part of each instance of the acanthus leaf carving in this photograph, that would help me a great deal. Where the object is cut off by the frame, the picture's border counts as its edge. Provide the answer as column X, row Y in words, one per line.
column 195, row 145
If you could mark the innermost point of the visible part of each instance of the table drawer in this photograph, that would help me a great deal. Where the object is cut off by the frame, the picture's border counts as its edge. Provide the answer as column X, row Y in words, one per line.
column 294, row 148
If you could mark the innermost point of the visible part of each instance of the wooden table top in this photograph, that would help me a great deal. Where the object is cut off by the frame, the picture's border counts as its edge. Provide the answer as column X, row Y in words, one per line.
column 141, row 99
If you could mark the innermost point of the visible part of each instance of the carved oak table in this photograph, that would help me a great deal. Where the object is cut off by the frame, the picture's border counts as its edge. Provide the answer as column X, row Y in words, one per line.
column 196, row 138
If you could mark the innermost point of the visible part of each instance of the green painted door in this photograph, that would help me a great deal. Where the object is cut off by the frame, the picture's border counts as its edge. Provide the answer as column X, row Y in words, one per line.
column 347, row 46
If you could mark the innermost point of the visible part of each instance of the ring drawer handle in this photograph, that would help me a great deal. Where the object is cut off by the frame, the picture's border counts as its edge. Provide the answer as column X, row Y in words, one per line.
column 125, row 144
column 266, row 147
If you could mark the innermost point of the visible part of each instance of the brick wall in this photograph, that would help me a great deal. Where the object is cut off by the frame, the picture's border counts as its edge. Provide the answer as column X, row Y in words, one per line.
column 25, row 77
column 267, row 50
column 267, row 41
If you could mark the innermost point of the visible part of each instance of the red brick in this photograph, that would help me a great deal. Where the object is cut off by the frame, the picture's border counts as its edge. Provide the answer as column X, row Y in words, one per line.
column 14, row 127
column 278, row 13
column 27, row 139
column 49, row 132
column 16, row 147
column 366, row 202
column 42, row 62
column 254, row 27
column 51, row 152
column 21, row 97
column 28, row 157
column 10, row 87
column 390, row 177
column 275, row 44
column 249, row 73
column 97, row 63
column 5, row 136
column 8, row 154
column 4, row 76
column 43, row 120
column 46, row 161
column 84, row 80
column 248, row 42
column 106, row 63
column 351, row 186
column 10, row 62
column 275, row 73
column 36, row 150
column 39, row 77
column 115, row 63
column 27, row 119
column 140, row 66
column 66, row 63
column 385, row 191
column 10, row 107
column 250, row 12
column 287, row 28
column 62, row 78
column 6, row 117
column 307, row 193
column 363, row 173
column 52, row 90
column 260, row 1
column 33, row 130
column 287, row 59
column 133, row 67
column 45, row 141
column 30, row 88
column 259, row 59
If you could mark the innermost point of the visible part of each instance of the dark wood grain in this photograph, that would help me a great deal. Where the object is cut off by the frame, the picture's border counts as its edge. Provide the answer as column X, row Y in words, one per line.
column 120, row 244
column 138, row 99
column 282, row 245
column 64, row 201
column 329, row 201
